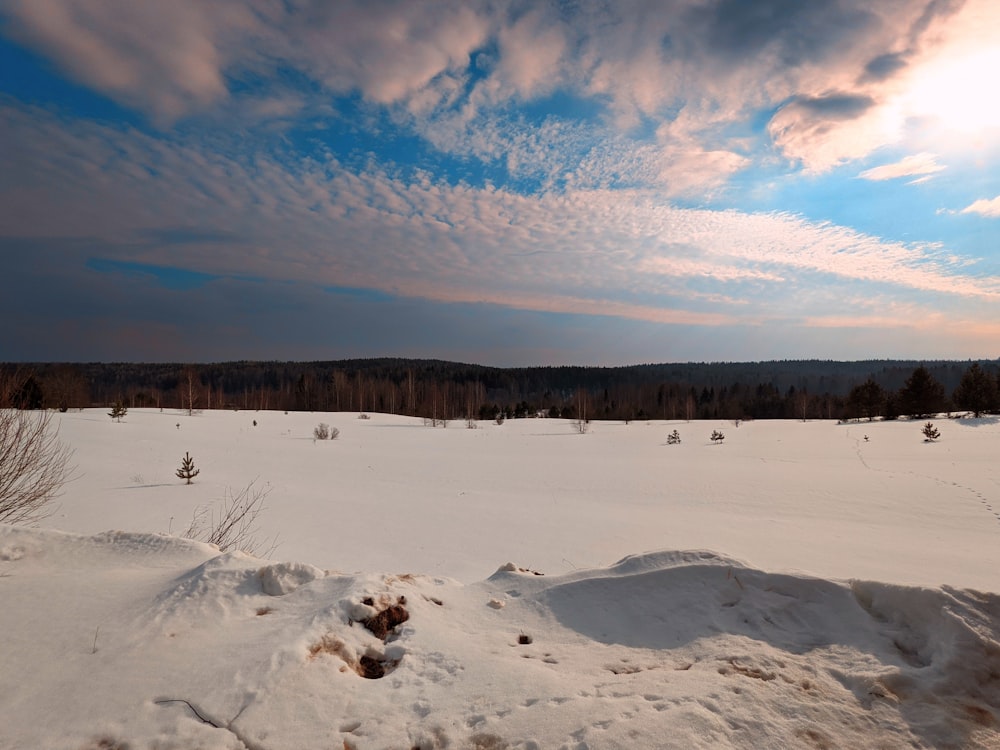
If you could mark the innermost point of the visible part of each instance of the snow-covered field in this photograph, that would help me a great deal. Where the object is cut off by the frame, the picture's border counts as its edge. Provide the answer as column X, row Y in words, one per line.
column 795, row 586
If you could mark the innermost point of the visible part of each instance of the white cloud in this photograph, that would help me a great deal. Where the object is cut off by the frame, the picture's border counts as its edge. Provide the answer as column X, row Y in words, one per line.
column 620, row 252
column 916, row 164
column 983, row 207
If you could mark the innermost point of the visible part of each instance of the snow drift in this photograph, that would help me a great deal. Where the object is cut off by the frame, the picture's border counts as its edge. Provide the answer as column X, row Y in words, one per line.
column 122, row 640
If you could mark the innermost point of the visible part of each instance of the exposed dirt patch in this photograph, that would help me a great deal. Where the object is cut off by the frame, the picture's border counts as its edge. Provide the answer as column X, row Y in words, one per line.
column 371, row 666
column 981, row 716
column 385, row 622
column 483, row 741
column 816, row 739
column 328, row 644
column 107, row 743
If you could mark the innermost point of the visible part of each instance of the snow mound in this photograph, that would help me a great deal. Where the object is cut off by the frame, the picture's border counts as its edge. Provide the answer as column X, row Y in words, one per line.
column 173, row 645
column 284, row 578
column 54, row 548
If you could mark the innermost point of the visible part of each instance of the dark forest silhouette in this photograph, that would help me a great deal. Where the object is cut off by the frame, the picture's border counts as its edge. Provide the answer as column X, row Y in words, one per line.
column 791, row 389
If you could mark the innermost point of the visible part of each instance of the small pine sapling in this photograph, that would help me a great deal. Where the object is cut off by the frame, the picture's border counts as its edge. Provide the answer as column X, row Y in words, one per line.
column 187, row 470
column 673, row 438
column 930, row 432
column 717, row 437
column 118, row 410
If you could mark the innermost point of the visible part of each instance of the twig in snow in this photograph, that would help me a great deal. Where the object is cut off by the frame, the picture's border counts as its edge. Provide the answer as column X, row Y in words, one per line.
column 195, row 711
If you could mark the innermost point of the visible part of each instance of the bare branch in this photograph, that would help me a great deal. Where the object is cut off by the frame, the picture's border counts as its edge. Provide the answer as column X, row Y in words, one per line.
column 34, row 465
column 234, row 524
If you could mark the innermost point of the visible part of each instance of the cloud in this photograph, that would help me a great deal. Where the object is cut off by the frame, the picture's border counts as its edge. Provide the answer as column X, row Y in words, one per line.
column 913, row 165
column 984, row 207
column 825, row 132
column 687, row 70
column 292, row 220
column 160, row 57
column 387, row 51
column 884, row 66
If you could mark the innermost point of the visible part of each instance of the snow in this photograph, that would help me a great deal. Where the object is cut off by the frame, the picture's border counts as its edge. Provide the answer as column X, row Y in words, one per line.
column 794, row 586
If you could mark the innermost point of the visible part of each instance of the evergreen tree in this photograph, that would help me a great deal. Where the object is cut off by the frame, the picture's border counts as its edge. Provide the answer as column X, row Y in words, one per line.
column 187, row 470
column 977, row 392
column 118, row 410
column 921, row 395
column 867, row 400
column 930, row 432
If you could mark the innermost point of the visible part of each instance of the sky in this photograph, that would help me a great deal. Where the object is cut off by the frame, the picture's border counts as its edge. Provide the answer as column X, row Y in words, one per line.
column 507, row 183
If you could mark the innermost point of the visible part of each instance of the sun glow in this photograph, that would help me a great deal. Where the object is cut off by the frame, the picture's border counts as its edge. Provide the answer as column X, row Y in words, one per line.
column 957, row 92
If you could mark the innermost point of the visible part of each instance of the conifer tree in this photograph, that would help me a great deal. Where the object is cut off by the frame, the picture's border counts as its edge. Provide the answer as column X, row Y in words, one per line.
column 867, row 400
column 118, row 410
column 187, row 470
column 921, row 395
column 977, row 392
column 931, row 433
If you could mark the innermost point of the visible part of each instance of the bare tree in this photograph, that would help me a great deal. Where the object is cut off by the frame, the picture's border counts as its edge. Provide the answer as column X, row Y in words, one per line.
column 690, row 407
column 582, row 418
column 34, row 465
column 188, row 396
column 233, row 526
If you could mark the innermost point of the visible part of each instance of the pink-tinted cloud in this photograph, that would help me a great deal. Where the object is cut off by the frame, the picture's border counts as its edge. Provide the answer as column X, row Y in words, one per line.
column 162, row 57
column 909, row 166
column 983, row 207
column 692, row 70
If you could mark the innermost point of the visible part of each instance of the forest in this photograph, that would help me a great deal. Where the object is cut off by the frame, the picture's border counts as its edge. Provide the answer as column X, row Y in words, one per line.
column 443, row 391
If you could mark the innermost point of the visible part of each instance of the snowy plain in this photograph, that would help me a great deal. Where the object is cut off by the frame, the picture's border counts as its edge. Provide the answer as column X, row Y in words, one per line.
column 796, row 586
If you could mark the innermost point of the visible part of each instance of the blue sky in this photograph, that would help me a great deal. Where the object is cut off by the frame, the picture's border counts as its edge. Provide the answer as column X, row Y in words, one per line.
column 509, row 183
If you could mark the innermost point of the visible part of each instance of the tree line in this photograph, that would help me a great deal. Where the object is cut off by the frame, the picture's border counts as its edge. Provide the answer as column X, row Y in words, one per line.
column 792, row 389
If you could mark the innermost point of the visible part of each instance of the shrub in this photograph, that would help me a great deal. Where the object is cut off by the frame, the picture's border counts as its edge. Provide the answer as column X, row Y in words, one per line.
column 673, row 438
column 717, row 437
column 321, row 431
column 34, row 465
column 234, row 525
